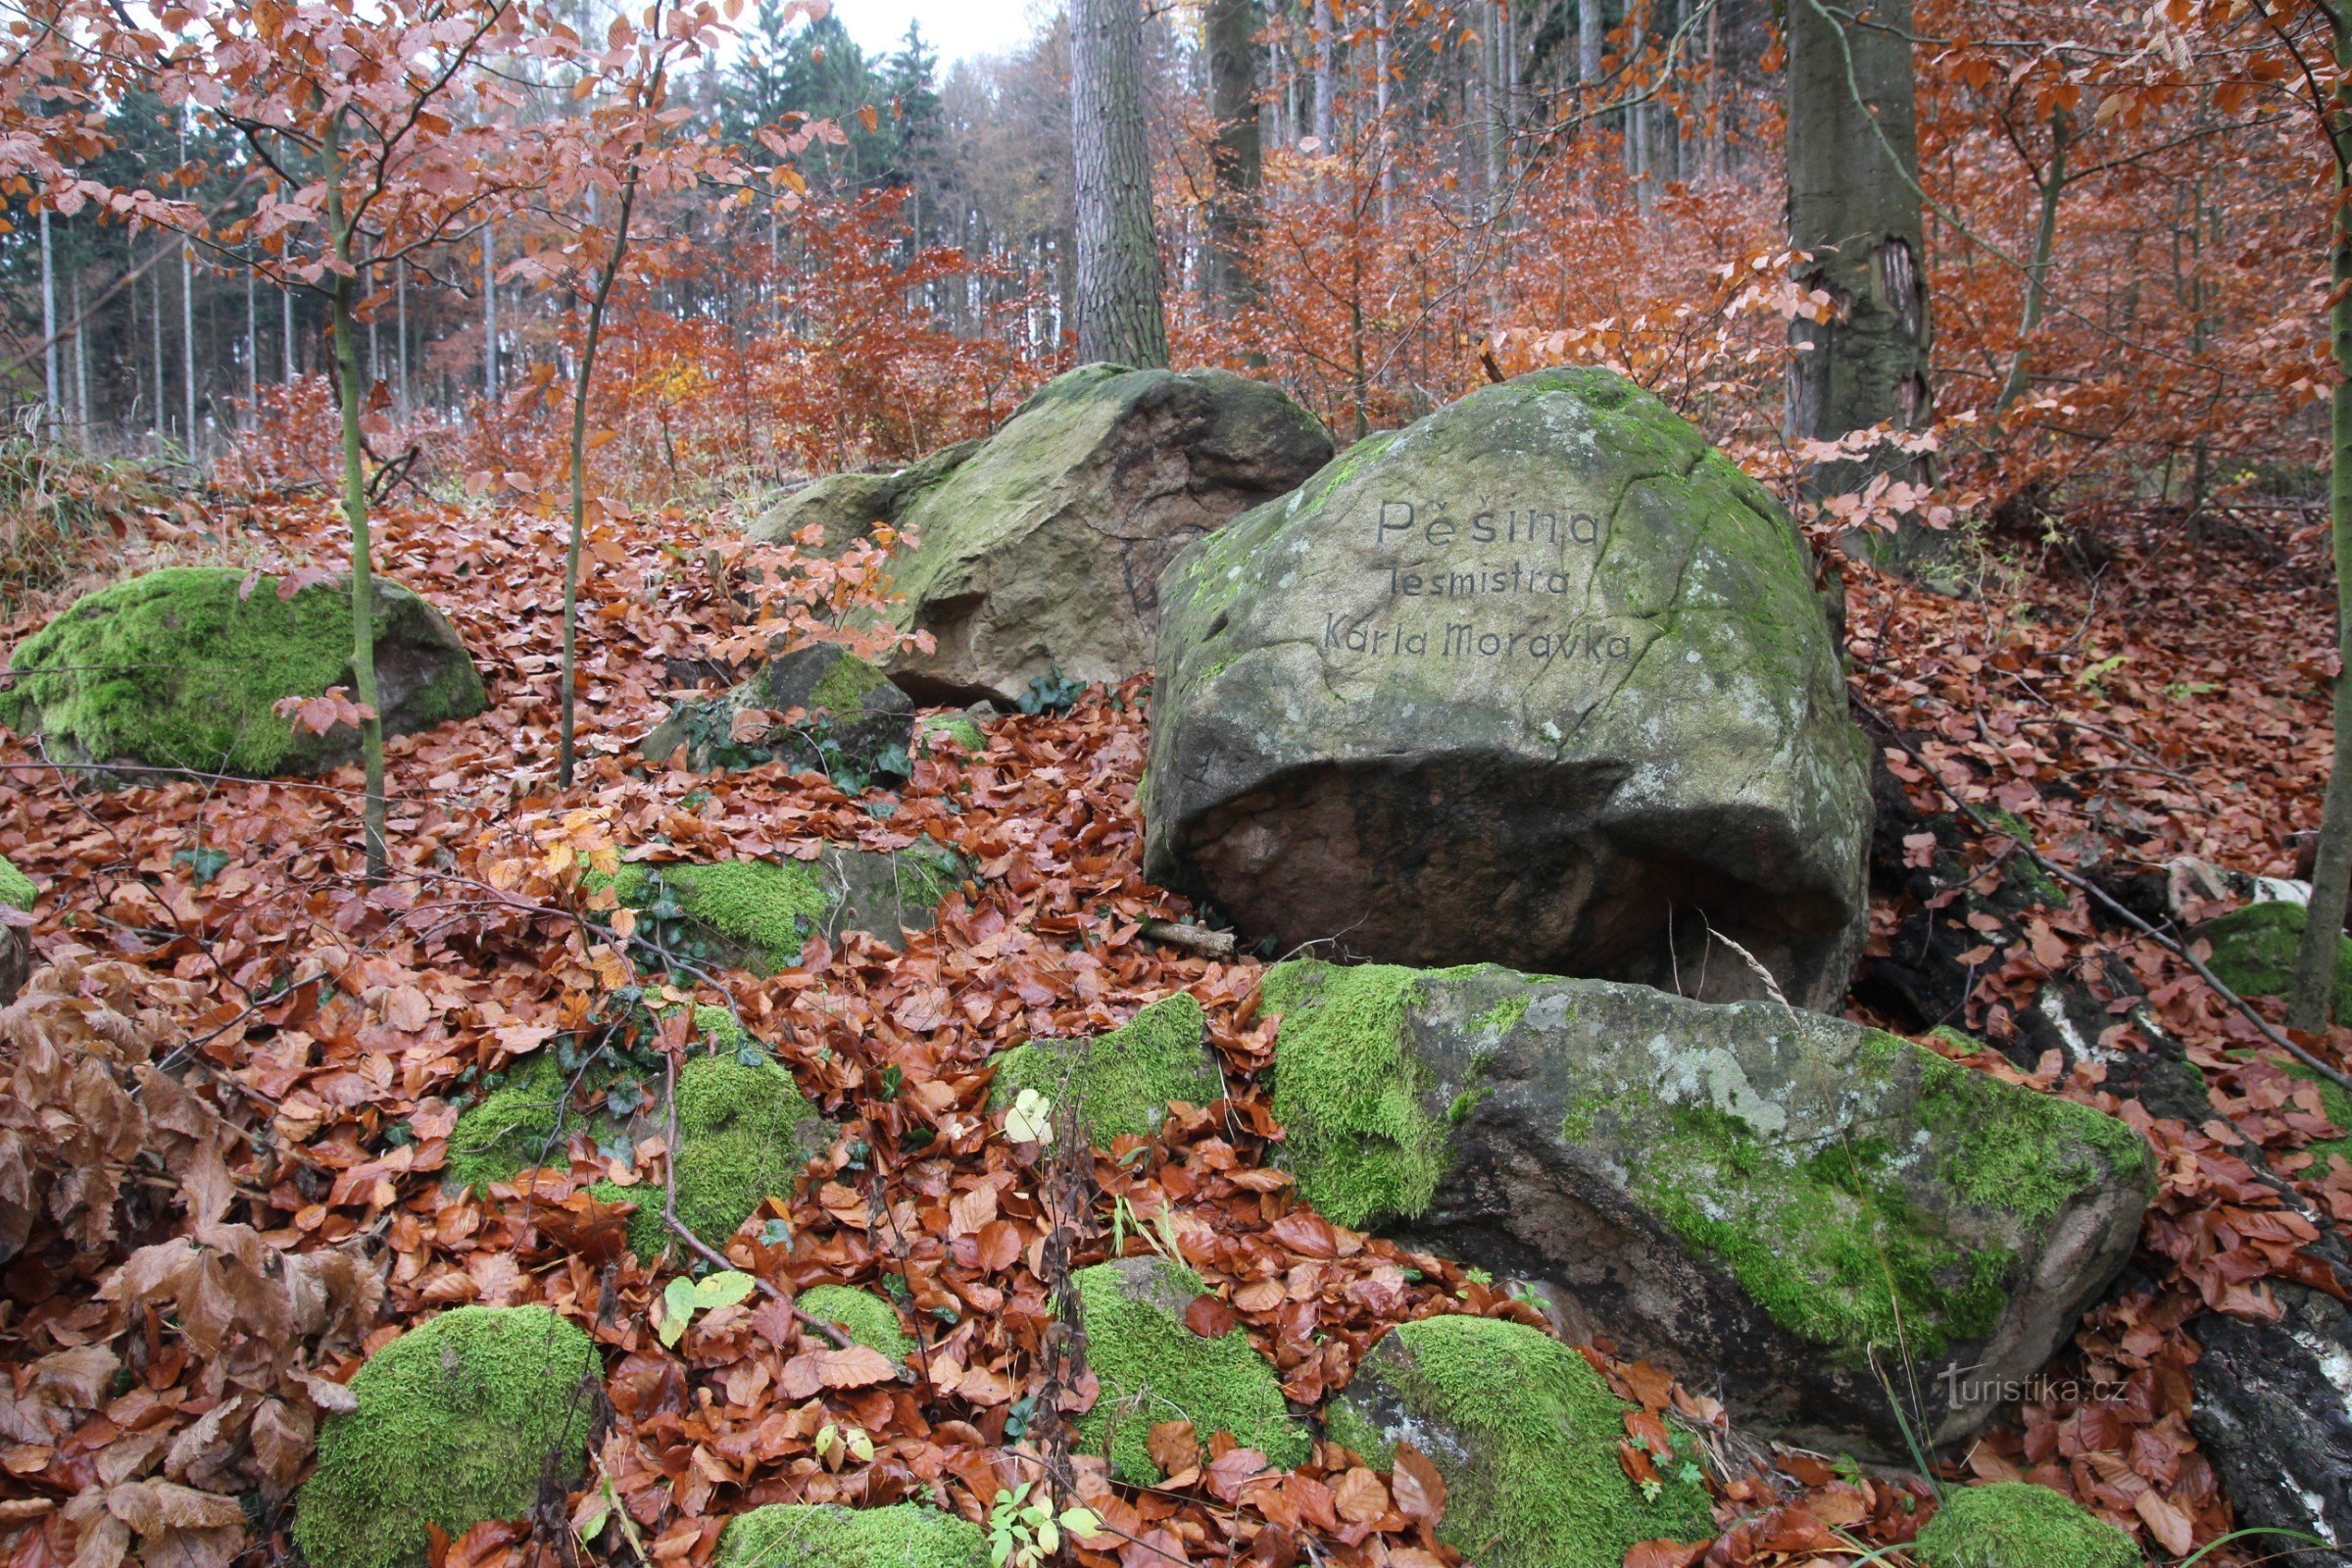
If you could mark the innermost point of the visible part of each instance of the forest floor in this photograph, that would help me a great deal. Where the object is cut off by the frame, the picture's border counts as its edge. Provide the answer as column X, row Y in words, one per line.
column 2159, row 703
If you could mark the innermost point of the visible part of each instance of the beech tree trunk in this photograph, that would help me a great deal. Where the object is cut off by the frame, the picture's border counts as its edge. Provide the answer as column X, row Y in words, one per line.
column 1592, row 31
column 1854, row 202
column 1116, row 301
column 1237, row 160
column 2311, row 998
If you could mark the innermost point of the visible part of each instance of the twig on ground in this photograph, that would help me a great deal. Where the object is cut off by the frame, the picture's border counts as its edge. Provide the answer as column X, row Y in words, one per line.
column 1192, row 938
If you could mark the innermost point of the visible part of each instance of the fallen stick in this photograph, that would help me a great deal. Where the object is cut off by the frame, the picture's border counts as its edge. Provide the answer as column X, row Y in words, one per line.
column 1192, row 938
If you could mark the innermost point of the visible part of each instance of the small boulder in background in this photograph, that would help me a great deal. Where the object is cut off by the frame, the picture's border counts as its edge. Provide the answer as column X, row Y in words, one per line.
column 855, row 724
column 17, row 893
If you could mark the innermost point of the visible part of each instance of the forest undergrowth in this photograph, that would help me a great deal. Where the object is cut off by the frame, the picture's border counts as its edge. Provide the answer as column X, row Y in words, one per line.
column 2126, row 699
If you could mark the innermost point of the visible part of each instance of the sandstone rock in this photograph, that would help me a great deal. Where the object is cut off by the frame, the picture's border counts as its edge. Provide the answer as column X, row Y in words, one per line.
column 457, row 1420
column 1524, row 1435
column 1765, row 1201
column 2273, row 1411
column 181, row 668
column 1152, row 1368
column 1044, row 548
column 858, row 724
column 847, row 505
column 1539, row 679
column 757, row 915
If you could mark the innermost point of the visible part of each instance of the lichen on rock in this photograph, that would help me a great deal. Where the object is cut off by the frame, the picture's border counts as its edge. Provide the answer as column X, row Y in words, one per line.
column 183, row 667
column 1526, row 1436
column 903, row 1534
column 870, row 1319
column 456, row 1420
column 1123, row 1081
column 1152, row 1369
column 2015, row 1524
column 1782, row 1198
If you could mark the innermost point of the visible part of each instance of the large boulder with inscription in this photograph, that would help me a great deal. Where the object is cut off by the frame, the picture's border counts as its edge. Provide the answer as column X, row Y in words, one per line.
column 1795, row 1212
column 1542, row 678
column 1044, row 548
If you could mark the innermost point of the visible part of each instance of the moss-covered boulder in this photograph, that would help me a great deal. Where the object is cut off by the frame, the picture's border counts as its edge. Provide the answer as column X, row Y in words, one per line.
column 1541, row 679
column 1152, row 1369
column 804, row 1535
column 2254, row 953
column 455, row 1424
column 1123, row 1081
column 16, row 952
column 1525, row 1434
column 1043, row 549
column 2015, row 1524
column 183, row 667
column 1764, row 1200
column 757, row 915
column 847, row 505
column 868, row 1319
column 857, row 726
column 743, row 1134
column 956, row 729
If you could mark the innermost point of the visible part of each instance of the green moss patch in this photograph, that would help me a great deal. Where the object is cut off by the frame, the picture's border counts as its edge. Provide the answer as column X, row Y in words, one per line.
column 828, row 1535
column 1525, row 1432
column 180, row 668
column 455, row 1421
column 867, row 1318
column 515, row 1127
column 2015, row 1524
column 1349, row 1094
column 958, row 728
column 743, row 1134
column 1151, row 1368
column 15, row 888
column 1123, row 1081
column 758, row 914
column 2254, row 953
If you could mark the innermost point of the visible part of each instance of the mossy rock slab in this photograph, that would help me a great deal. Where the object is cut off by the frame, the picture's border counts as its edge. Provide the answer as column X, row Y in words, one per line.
column 2254, row 953
column 802, row 1535
column 1743, row 1192
column 957, row 729
column 2015, row 1524
column 1541, row 679
column 1152, row 1369
column 1043, row 549
column 744, row 1133
column 1123, row 1081
column 847, row 505
column 858, row 724
column 757, row 915
column 456, row 1420
column 1525, row 1434
column 867, row 1318
column 181, row 667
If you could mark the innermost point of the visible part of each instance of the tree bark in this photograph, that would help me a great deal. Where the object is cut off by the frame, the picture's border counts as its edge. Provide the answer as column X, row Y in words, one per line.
column 51, row 393
column 1326, row 88
column 2037, row 271
column 1592, row 31
column 1853, row 204
column 1116, row 303
column 1237, row 156
column 355, row 510
column 2311, row 999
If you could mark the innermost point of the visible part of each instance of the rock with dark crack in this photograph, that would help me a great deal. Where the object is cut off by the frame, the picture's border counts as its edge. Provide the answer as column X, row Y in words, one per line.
column 18, row 893
column 1043, row 549
column 2273, row 1411
column 1777, row 1204
column 1539, row 679
column 847, row 505
column 855, row 724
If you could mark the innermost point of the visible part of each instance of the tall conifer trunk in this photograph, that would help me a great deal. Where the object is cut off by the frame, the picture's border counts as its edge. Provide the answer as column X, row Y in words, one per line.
column 1117, row 301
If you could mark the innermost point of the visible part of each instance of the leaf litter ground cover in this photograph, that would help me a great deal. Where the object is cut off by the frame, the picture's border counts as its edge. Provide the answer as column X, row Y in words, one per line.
column 178, row 1323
